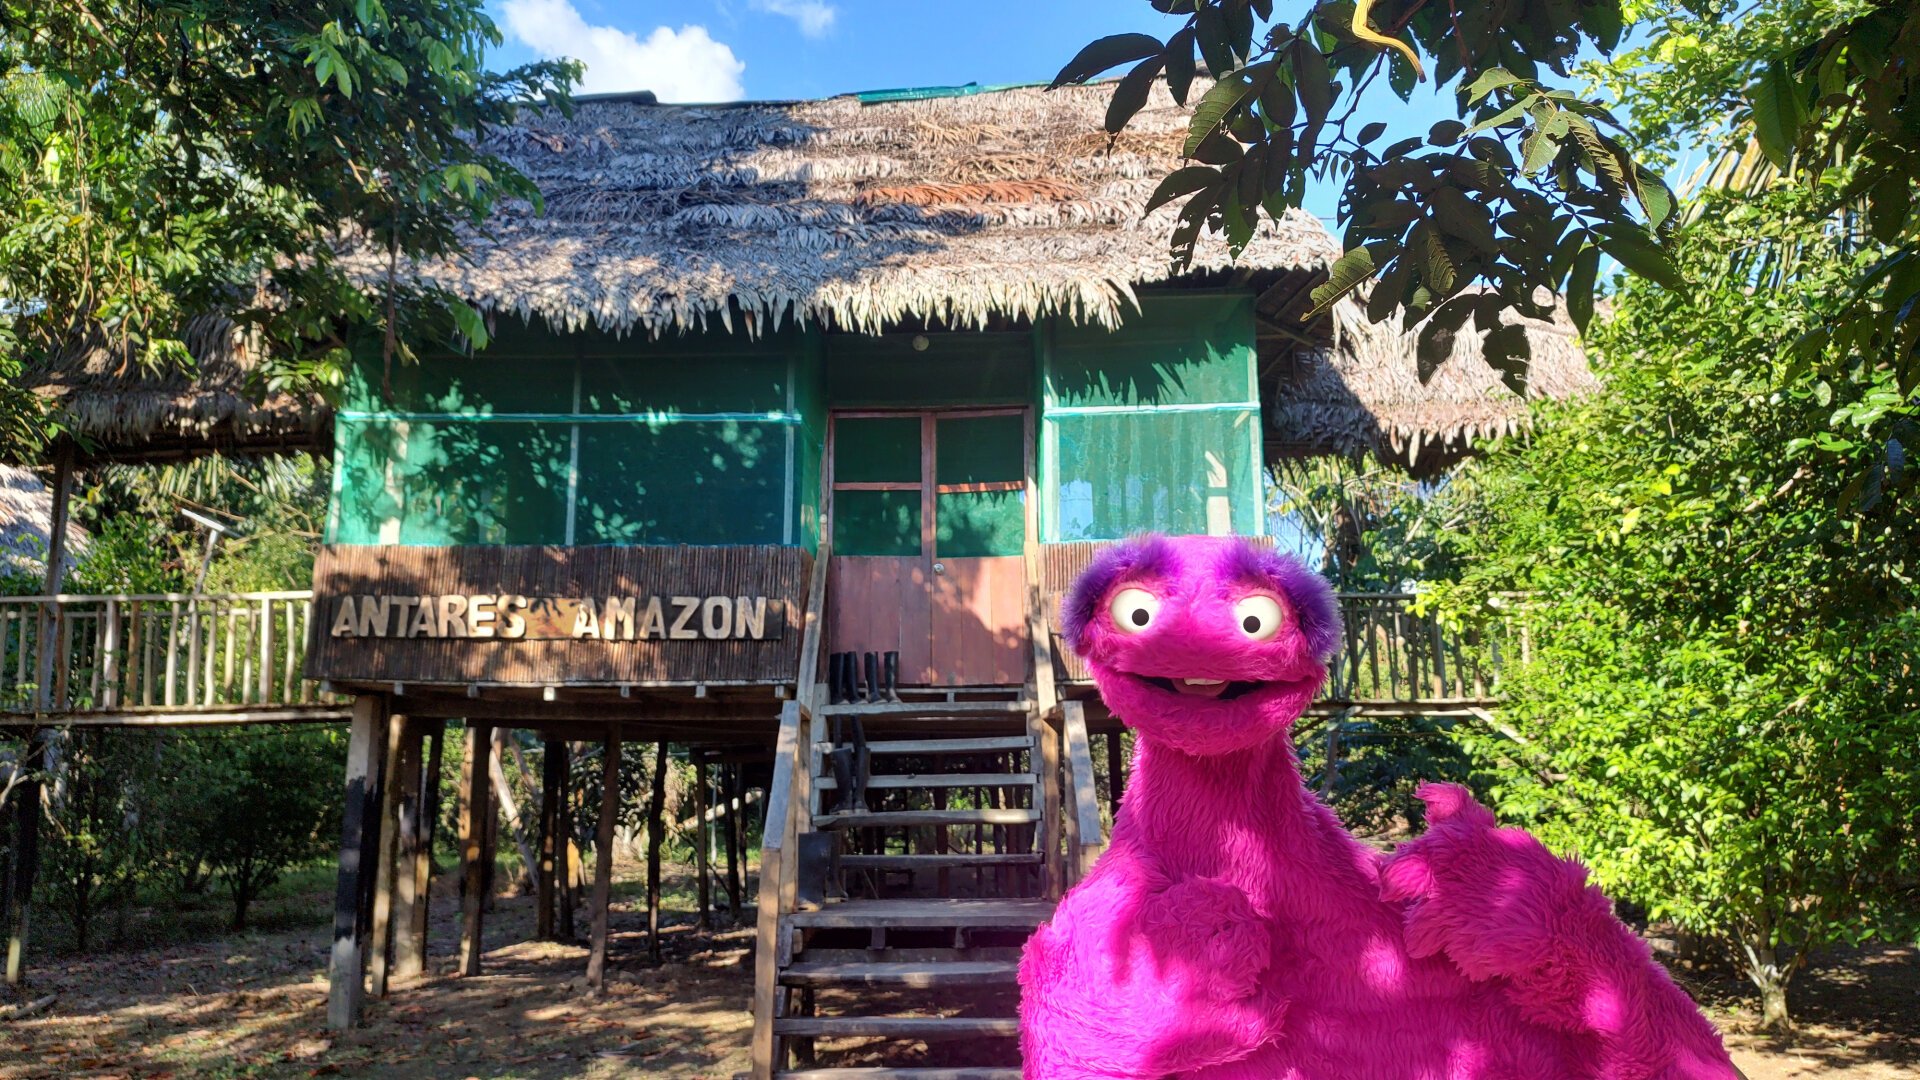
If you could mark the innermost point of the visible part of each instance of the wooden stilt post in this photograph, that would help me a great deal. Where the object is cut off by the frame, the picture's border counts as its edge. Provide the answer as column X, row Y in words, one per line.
column 473, row 845
column 701, row 829
column 490, row 830
column 1116, row 769
column 409, row 955
column 423, row 858
column 553, row 779
column 381, row 947
column 569, row 852
column 26, row 856
column 736, row 844
column 347, row 962
column 603, row 857
column 656, row 835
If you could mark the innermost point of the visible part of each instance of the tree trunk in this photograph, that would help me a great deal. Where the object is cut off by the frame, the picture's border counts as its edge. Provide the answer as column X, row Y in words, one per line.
column 1771, row 977
column 1773, row 1007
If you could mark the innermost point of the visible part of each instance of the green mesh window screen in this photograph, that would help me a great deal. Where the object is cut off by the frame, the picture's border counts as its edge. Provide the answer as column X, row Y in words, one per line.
column 980, row 468
column 718, row 482
column 588, row 438
column 1180, row 472
column 876, row 522
column 876, row 449
column 1154, row 426
column 452, row 482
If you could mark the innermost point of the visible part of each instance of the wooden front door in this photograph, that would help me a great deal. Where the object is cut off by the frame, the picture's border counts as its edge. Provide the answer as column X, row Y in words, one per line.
column 929, row 528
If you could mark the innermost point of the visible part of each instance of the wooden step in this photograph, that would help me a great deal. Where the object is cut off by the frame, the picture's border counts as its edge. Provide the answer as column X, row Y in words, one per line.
column 936, row 862
column 911, row 1073
column 898, row 1027
column 905, row 914
column 934, row 780
column 929, row 709
column 914, row 976
column 894, row 819
column 980, row 745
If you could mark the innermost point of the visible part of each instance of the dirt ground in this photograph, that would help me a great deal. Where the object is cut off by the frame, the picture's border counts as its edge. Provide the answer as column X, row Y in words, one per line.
column 253, row 1005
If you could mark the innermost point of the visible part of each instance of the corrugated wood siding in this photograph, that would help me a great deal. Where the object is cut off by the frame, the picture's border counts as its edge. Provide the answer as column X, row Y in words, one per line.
column 1059, row 565
column 778, row 573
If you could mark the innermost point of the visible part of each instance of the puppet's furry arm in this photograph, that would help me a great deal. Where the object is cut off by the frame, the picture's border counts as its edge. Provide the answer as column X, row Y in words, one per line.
column 1501, row 906
column 1141, row 976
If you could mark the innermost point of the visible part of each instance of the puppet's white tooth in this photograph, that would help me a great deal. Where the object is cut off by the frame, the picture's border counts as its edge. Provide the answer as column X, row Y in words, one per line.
column 1203, row 682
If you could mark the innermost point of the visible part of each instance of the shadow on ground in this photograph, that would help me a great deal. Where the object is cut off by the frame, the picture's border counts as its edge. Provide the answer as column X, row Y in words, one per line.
column 253, row 1005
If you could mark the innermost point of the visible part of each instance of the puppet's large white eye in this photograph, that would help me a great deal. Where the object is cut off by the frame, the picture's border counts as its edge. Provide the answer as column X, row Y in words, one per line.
column 1134, row 610
column 1260, row 617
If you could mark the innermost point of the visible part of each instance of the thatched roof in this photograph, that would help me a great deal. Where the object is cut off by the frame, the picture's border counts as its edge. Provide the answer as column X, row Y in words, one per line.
column 958, row 208
column 26, row 515
column 122, row 412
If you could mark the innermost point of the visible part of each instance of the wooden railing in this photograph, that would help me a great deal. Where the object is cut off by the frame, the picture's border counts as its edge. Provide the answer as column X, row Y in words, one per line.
column 1390, row 654
column 154, row 651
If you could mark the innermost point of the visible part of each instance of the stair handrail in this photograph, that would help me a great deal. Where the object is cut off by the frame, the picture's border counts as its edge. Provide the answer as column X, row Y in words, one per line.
column 778, row 846
column 1086, row 835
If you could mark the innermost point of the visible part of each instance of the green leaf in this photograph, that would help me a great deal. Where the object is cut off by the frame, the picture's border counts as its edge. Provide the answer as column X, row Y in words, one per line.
column 1107, row 53
column 1210, row 25
column 1778, row 113
column 1488, row 81
column 1180, row 65
column 1311, row 80
column 1446, row 133
column 1437, row 335
column 1225, row 96
column 1888, row 203
column 1348, row 273
column 1437, row 261
column 1386, row 294
column 1536, row 150
column 1654, row 195
column 1630, row 245
column 1462, row 217
column 1180, row 182
column 1508, row 351
column 1371, row 132
column 1580, row 285
column 1130, row 96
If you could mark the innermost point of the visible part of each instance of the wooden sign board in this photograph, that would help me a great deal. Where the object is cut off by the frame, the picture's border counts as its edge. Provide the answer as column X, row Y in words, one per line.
column 544, row 616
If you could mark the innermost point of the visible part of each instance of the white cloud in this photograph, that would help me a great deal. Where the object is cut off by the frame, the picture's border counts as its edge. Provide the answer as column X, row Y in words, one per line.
column 682, row 65
column 814, row 16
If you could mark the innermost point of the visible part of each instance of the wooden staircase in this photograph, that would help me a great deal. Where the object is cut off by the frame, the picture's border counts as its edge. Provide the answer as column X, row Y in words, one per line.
column 913, row 954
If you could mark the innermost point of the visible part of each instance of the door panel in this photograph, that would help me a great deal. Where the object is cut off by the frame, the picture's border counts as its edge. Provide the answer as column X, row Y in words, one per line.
column 881, row 605
column 980, row 620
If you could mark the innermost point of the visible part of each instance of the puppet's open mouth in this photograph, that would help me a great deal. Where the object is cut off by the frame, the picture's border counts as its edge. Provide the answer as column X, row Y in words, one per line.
column 1217, row 689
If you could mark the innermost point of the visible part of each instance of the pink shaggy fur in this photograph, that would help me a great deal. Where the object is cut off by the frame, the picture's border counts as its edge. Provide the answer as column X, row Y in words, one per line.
column 1235, row 930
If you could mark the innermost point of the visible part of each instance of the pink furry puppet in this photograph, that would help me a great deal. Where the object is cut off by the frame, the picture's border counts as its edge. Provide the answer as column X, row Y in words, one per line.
column 1235, row 930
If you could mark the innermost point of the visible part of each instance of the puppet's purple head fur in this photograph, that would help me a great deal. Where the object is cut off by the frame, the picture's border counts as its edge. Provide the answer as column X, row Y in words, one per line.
column 1207, row 644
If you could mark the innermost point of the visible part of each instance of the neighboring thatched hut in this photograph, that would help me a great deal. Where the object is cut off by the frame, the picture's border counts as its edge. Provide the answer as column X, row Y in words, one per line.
column 118, row 411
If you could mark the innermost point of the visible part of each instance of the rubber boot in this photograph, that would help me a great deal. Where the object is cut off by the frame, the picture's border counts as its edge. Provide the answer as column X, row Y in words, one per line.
column 846, row 792
column 862, row 766
column 873, row 679
column 890, row 665
column 843, row 681
column 836, row 679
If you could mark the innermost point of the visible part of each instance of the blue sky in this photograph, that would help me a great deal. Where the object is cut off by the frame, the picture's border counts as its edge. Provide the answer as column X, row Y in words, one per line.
column 706, row 50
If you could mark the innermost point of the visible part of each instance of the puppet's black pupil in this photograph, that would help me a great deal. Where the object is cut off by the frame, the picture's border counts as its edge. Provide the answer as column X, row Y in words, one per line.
column 1251, row 624
column 1140, row 616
